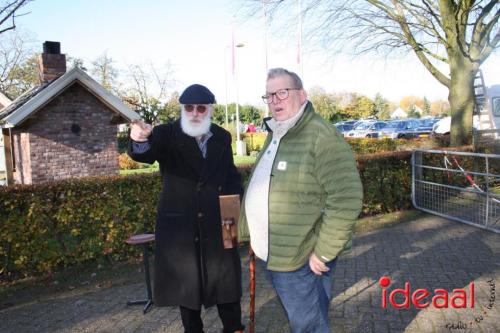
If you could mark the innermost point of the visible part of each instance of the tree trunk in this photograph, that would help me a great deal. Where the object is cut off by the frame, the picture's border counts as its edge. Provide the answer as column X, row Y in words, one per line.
column 461, row 98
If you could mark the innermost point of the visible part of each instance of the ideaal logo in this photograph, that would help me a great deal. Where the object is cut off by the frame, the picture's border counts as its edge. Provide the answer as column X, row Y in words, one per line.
column 440, row 299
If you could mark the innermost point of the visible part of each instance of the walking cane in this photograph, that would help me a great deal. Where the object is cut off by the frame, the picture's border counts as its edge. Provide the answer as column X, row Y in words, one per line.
column 251, row 265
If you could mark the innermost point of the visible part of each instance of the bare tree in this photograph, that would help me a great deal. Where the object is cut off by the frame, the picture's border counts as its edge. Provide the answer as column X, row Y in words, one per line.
column 9, row 10
column 105, row 72
column 18, row 64
column 149, row 93
column 451, row 38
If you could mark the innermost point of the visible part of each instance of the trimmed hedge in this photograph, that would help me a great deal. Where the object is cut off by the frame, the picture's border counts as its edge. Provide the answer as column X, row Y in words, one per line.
column 386, row 179
column 51, row 226
column 255, row 141
column 372, row 145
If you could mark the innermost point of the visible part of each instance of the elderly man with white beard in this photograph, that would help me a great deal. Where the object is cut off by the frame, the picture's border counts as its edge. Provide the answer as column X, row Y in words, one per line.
column 192, row 267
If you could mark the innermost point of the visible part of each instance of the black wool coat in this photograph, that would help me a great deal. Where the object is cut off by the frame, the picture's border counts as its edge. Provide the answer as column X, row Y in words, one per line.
column 191, row 265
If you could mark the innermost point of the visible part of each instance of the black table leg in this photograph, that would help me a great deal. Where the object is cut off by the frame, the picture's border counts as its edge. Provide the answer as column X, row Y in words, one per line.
column 149, row 300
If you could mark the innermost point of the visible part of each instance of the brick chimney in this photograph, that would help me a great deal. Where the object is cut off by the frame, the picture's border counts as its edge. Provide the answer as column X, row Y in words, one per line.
column 51, row 63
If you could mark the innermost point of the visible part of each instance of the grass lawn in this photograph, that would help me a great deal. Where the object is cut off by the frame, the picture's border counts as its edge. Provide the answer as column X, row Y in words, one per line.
column 238, row 160
column 134, row 171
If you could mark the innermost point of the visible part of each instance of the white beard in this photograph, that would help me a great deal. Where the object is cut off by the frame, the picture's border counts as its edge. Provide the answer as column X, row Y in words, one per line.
column 195, row 129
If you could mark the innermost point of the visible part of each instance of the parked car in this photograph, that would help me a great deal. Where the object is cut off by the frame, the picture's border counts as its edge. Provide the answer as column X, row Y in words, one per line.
column 344, row 128
column 347, row 122
column 442, row 127
column 425, row 127
column 367, row 129
column 401, row 129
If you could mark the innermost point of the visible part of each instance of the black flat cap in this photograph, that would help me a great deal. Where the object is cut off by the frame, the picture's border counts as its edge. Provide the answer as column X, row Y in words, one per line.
column 197, row 94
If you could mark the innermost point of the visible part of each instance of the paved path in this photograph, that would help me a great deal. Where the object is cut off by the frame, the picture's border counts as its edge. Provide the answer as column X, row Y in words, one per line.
column 429, row 253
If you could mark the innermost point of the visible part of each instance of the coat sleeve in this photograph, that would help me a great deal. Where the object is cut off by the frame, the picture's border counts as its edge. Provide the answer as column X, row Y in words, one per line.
column 157, row 141
column 338, row 175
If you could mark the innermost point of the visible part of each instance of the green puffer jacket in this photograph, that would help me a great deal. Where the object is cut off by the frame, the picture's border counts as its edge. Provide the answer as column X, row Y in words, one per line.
column 314, row 203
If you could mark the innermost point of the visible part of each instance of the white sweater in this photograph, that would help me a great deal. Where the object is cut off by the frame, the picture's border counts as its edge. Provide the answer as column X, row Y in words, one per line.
column 257, row 195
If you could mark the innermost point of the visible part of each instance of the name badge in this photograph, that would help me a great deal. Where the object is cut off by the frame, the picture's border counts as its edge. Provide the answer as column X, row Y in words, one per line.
column 282, row 165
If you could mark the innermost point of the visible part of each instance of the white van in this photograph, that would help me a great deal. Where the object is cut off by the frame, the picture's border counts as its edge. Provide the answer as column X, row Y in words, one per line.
column 487, row 119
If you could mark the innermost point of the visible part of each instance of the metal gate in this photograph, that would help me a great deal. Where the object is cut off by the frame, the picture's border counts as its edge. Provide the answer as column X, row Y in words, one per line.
column 458, row 185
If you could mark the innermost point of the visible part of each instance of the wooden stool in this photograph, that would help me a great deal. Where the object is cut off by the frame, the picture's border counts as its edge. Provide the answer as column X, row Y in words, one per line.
column 143, row 239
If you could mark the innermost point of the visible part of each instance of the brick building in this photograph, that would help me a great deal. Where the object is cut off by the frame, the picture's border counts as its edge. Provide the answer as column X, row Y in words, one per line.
column 64, row 128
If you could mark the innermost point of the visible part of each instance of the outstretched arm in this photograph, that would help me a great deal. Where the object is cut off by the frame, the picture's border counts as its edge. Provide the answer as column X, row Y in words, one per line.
column 139, row 148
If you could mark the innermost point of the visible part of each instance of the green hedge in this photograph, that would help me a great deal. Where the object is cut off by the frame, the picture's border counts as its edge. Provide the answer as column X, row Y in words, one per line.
column 371, row 146
column 386, row 179
column 255, row 141
column 50, row 226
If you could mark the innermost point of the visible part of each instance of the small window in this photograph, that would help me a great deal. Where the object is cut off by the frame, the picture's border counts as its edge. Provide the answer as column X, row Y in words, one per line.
column 76, row 129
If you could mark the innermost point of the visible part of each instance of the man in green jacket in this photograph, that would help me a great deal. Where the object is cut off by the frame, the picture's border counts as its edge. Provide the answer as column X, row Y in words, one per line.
column 301, row 203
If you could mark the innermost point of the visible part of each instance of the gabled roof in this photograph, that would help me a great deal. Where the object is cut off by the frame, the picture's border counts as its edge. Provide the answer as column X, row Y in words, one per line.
column 399, row 113
column 32, row 100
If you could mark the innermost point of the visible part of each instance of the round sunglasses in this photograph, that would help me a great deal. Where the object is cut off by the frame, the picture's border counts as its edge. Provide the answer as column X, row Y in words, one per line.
column 200, row 108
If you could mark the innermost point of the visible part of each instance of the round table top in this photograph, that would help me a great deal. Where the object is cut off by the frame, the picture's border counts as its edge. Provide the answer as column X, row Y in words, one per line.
column 140, row 239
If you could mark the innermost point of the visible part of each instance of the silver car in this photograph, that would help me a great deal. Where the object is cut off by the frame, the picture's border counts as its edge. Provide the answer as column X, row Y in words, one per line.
column 401, row 129
column 367, row 129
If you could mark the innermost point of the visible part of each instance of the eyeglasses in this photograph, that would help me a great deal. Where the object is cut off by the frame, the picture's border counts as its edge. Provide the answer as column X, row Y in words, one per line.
column 280, row 95
column 200, row 108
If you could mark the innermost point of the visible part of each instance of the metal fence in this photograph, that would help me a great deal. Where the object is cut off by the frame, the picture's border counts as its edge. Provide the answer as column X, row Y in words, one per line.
column 460, row 186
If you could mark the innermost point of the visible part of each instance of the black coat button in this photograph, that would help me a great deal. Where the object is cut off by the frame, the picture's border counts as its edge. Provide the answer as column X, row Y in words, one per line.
column 200, row 214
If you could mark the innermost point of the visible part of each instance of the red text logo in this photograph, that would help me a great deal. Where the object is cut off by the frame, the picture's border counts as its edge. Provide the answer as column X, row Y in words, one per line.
column 422, row 298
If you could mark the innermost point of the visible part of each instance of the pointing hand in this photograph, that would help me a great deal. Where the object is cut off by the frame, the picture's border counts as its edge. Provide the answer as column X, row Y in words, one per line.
column 140, row 131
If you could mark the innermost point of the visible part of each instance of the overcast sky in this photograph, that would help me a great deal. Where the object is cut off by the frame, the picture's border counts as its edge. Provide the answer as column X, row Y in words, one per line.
column 195, row 37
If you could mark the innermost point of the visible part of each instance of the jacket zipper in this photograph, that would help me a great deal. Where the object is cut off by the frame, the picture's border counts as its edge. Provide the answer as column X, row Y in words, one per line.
column 268, row 200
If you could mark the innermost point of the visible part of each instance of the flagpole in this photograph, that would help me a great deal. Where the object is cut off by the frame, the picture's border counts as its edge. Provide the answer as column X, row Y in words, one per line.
column 240, row 145
column 300, row 61
column 264, row 16
column 225, row 84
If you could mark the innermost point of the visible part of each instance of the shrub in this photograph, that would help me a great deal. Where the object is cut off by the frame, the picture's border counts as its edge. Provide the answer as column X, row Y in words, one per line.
column 54, row 225
column 386, row 179
column 371, row 146
column 126, row 163
column 254, row 141
column 122, row 142
column 50, row 226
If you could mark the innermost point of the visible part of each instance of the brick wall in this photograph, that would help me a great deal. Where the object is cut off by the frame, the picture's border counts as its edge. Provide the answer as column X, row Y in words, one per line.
column 71, row 136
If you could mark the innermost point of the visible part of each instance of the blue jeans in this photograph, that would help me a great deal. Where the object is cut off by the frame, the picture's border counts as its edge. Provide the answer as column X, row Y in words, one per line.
column 305, row 297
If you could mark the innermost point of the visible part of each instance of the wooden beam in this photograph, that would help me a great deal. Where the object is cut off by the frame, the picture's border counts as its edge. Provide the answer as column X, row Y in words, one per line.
column 9, row 155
